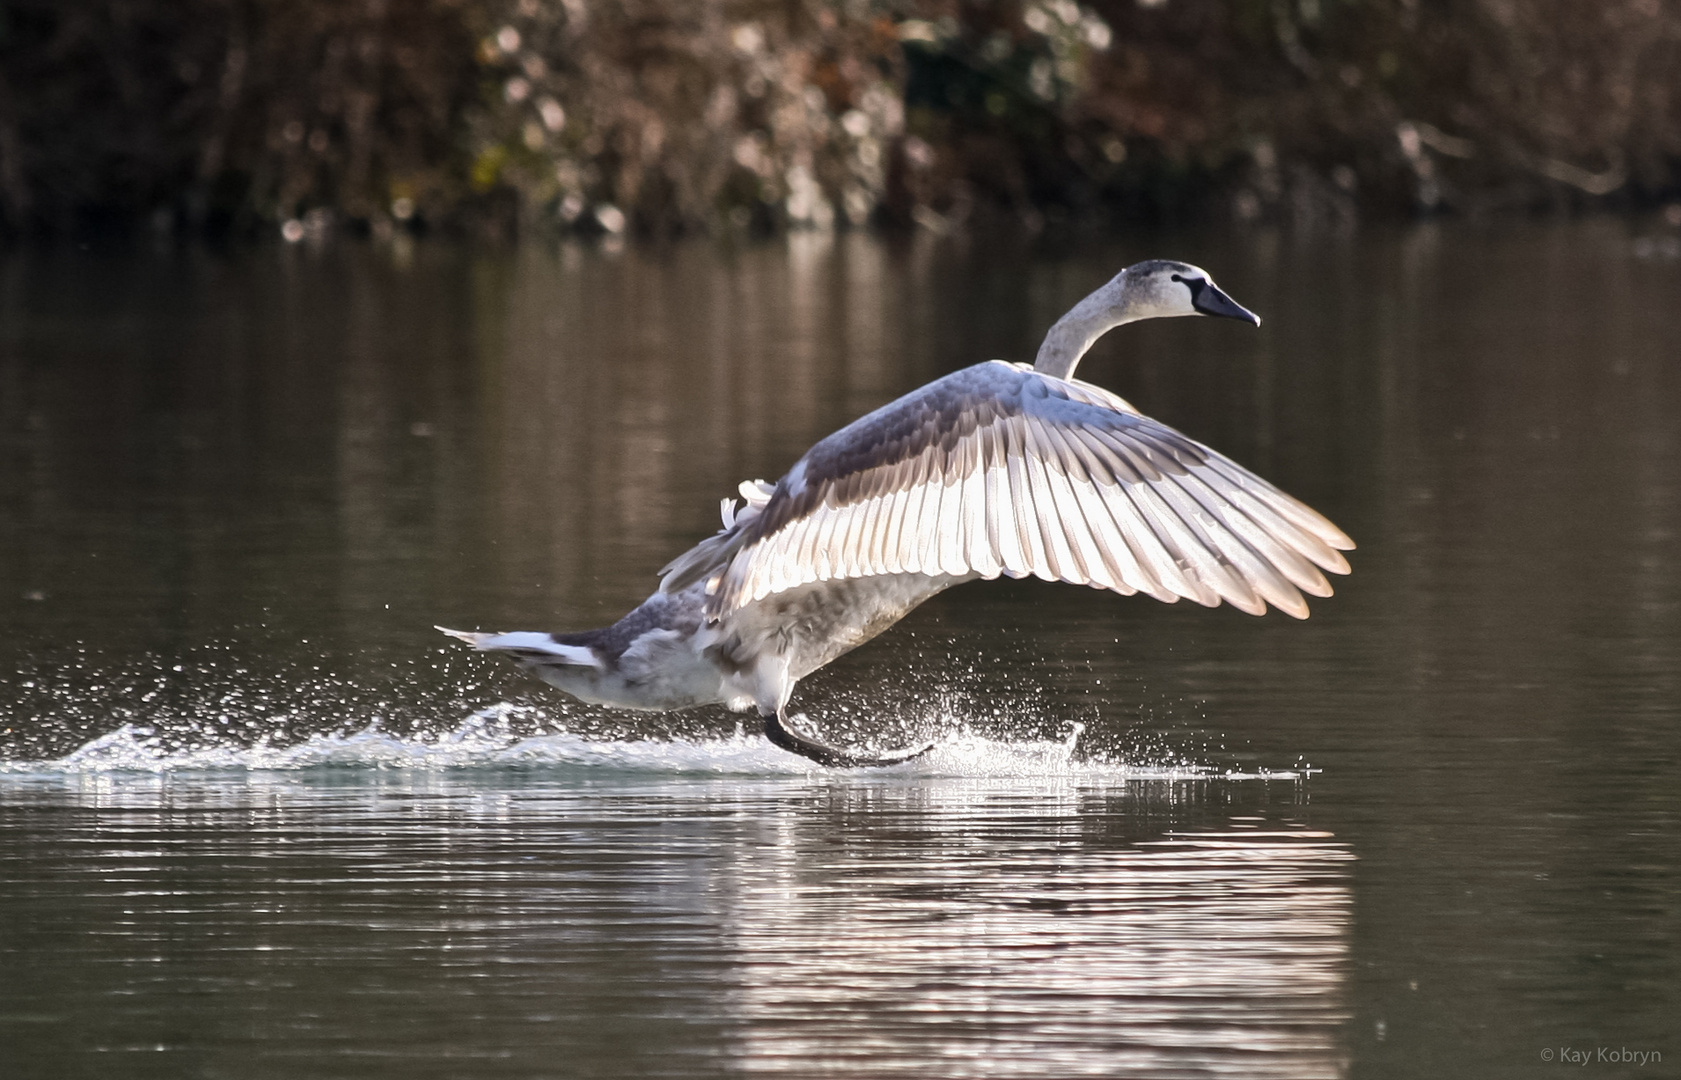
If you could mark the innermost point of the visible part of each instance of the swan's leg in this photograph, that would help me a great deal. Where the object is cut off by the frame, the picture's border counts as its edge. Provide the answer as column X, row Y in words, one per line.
column 778, row 732
column 772, row 687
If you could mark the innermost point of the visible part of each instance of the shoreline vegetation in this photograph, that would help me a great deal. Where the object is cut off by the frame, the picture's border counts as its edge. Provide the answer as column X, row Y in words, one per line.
column 672, row 117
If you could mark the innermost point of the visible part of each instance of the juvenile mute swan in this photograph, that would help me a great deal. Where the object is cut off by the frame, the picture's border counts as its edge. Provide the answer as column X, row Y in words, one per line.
column 996, row 469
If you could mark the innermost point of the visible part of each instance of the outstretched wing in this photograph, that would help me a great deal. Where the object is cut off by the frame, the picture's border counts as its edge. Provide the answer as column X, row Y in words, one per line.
column 997, row 469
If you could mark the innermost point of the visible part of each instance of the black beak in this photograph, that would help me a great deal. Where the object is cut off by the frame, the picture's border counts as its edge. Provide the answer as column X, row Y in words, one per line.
column 1207, row 298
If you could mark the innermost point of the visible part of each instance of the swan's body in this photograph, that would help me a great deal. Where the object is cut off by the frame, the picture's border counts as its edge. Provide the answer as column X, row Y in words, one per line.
column 997, row 469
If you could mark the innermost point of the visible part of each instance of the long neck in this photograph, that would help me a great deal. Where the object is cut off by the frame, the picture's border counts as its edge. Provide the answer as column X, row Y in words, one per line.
column 1067, row 341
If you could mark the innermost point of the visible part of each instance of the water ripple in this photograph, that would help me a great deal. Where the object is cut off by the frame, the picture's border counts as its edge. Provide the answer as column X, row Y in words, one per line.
column 632, row 921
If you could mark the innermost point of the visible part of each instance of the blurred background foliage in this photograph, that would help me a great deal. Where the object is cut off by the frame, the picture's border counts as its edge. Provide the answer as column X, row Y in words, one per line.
column 670, row 116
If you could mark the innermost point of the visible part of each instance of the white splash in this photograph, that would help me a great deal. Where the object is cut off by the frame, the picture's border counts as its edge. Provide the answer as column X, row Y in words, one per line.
column 485, row 740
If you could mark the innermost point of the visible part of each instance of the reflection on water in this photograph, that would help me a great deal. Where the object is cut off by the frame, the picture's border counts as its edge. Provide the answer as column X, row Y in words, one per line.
column 238, row 490
column 1217, row 953
column 615, row 923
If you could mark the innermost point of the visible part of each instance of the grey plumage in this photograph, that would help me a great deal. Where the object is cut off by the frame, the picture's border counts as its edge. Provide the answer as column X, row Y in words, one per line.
column 998, row 469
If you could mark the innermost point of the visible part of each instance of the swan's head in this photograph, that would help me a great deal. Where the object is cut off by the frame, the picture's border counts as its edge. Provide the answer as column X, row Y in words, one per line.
column 1156, row 289
column 1162, row 288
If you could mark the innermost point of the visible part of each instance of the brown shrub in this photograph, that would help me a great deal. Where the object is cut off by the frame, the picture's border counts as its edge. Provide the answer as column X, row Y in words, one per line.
column 671, row 115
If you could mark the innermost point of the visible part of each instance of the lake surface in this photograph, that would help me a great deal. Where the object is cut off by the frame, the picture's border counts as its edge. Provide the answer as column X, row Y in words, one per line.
column 258, row 819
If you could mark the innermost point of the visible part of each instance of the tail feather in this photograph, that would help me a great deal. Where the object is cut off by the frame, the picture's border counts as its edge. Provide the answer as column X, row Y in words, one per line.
column 529, row 645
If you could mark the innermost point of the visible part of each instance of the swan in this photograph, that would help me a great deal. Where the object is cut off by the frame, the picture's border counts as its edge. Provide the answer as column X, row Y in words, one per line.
column 997, row 469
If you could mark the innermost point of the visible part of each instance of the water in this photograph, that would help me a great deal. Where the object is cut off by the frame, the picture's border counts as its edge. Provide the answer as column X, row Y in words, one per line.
column 258, row 819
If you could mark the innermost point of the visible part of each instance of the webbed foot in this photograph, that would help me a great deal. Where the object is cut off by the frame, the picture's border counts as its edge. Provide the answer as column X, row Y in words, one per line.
column 778, row 732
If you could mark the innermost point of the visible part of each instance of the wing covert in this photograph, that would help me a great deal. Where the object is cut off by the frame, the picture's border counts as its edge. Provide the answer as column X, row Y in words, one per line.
column 997, row 469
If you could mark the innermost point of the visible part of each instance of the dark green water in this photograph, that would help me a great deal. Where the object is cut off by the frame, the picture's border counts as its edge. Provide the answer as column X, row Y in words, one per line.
column 258, row 819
